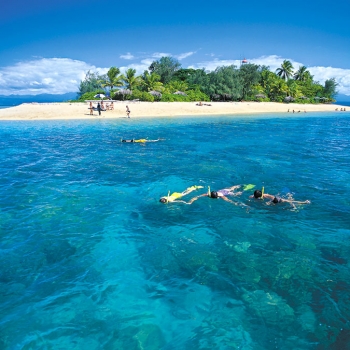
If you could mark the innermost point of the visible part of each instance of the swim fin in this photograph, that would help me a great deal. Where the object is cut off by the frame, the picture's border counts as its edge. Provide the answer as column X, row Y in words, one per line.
column 194, row 187
column 248, row 187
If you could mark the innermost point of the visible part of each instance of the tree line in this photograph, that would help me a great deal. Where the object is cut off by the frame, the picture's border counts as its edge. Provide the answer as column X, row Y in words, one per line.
column 165, row 80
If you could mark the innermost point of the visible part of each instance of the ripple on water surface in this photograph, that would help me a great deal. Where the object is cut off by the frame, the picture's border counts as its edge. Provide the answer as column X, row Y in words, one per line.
column 90, row 259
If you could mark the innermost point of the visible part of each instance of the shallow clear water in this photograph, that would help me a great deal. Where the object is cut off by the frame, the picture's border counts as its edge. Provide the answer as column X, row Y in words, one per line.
column 91, row 260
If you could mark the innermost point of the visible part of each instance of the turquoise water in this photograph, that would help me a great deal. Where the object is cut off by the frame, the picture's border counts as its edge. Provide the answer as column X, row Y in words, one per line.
column 91, row 260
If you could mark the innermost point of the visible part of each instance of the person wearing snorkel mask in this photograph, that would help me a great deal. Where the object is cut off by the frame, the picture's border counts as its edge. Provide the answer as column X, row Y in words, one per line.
column 219, row 194
column 175, row 197
column 260, row 194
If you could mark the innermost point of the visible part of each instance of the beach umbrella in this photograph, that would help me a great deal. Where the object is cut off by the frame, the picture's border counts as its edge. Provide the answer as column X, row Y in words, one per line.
column 99, row 96
column 179, row 93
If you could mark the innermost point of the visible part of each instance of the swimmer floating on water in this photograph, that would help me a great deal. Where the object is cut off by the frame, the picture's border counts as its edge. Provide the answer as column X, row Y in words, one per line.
column 259, row 194
column 141, row 140
column 223, row 193
column 170, row 198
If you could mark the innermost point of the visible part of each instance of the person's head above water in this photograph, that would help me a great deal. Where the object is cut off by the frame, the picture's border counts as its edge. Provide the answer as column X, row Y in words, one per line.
column 163, row 200
column 257, row 194
column 213, row 194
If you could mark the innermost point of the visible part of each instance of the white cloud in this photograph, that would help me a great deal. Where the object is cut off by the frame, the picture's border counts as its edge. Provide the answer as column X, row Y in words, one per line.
column 140, row 67
column 342, row 77
column 321, row 74
column 160, row 54
column 184, row 55
column 44, row 76
column 61, row 75
column 128, row 56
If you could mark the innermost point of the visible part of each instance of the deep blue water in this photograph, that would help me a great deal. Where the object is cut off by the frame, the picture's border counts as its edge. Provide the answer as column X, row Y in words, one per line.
column 91, row 260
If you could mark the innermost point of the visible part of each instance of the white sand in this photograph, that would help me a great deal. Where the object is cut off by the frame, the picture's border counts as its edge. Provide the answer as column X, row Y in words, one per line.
column 40, row 111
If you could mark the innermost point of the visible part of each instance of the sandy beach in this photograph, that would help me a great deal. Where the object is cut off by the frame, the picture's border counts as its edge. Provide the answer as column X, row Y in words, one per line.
column 44, row 111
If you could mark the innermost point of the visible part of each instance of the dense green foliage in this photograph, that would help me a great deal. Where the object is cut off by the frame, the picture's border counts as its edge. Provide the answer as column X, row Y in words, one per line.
column 113, row 78
column 91, row 82
column 165, row 68
column 90, row 95
column 286, row 70
column 330, row 86
column 135, row 95
column 165, row 80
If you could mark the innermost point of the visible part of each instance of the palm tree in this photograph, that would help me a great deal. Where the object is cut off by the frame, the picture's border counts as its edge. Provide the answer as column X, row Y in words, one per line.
column 301, row 74
column 131, row 81
column 286, row 70
column 152, row 81
column 293, row 89
column 177, row 85
column 113, row 79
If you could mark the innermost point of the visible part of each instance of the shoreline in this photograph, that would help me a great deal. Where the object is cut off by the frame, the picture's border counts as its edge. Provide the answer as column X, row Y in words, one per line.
column 76, row 111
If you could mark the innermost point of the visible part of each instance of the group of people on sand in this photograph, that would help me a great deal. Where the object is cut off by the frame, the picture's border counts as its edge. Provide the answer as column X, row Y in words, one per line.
column 297, row 112
column 102, row 108
column 341, row 109
column 202, row 104
column 224, row 193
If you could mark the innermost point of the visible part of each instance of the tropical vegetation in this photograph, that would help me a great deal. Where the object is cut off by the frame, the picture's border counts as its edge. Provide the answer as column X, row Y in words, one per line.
column 165, row 80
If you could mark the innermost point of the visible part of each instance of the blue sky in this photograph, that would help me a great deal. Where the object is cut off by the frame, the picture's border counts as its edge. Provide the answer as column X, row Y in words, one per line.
column 47, row 47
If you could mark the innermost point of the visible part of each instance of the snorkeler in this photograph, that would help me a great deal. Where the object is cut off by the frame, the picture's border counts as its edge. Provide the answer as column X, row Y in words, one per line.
column 220, row 194
column 259, row 194
column 170, row 198
column 141, row 140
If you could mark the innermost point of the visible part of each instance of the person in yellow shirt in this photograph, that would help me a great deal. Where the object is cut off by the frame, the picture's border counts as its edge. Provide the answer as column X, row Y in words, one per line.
column 141, row 140
column 175, row 197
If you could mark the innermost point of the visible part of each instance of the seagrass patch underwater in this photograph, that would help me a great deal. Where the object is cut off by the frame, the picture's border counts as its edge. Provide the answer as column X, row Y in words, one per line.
column 90, row 259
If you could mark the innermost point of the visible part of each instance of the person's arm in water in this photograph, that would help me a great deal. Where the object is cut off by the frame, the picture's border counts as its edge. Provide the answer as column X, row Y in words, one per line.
column 265, row 195
column 295, row 202
column 178, row 201
column 197, row 197
column 227, row 200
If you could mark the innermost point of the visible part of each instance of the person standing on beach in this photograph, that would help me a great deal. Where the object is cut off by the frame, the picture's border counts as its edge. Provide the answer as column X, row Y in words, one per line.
column 91, row 109
column 99, row 108
column 128, row 111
